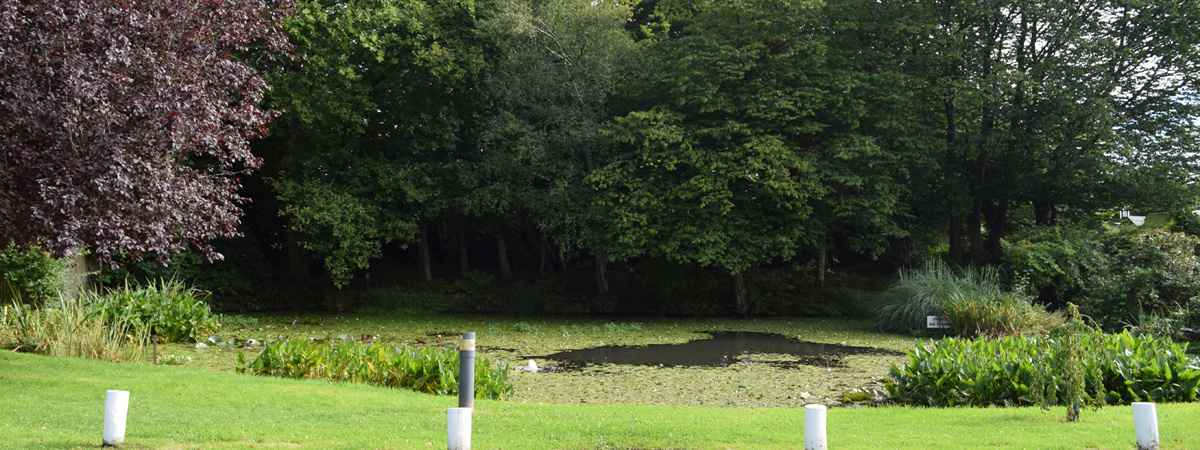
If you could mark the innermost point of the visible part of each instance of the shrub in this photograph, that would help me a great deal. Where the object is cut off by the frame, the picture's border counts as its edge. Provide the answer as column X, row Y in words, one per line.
column 1026, row 370
column 1057, row 263
column 167, row 309
column 422, row 369
column 972, row 313
column 769, row 291
column 71, row 327
column 31, row 274
column 226, row 321
column 403, row 300
column 680, row 288
column 973, row 300
column 244, row 280
column 525, row 298
column 475, row 282
column 1151, row 273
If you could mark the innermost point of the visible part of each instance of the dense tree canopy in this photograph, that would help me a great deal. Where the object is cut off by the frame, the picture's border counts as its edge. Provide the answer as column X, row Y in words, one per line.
column 526, row 134
column 125, row 124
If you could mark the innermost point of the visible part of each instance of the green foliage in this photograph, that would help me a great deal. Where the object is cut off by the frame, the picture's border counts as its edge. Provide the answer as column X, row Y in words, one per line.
column 1155, row 273
column 1075, row 366
column 613, row 327
column 167, row 308
column 475, row 282
column 72, row 327
column 1186, row 222
column 243, row 280
column 31, row 274
column 1045, row 370
column 526, row 298
column 847, row 302
column 974, row 313
column 1056, row 262
column 768, row 291
column 973, row 299
column 523, row 327
column 235, row 321
column 374, row 115
column 1128, row 277
column 423, row 298
column 679, row 288
column 422, row 369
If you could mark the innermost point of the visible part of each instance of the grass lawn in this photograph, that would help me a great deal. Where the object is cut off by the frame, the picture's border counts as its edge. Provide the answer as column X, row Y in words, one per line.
column 58, row 403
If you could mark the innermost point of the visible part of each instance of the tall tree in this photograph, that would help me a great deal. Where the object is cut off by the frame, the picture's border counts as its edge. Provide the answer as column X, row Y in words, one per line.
column 377, row 117
column 126, row 123
column 564, row 60
column 1060, row 105
column 754, row 131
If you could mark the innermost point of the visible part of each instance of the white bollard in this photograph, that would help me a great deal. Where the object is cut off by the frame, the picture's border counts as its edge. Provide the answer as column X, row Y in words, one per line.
column 814, row 427
column 116, row 405
column 1145, row 422
column 458, row 428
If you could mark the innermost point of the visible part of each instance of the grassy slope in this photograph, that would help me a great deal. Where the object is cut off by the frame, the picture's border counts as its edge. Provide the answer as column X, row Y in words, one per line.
column 58, row 403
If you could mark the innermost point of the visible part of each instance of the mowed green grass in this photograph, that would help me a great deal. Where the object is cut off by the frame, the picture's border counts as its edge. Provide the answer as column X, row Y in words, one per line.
column 58, row 403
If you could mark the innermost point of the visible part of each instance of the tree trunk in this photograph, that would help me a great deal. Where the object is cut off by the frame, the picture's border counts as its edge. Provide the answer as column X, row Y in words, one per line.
column 463, row 261
column 601, row 278
column 502, row 254
column 542, row 256
column 975, row 226
column 997, row 224
column 1043, row 212
column 821, row 268
column 297, row 265
column 423, row 251
column 631, row 281
column 956, row 252
column 562, row 260
column 739, row 293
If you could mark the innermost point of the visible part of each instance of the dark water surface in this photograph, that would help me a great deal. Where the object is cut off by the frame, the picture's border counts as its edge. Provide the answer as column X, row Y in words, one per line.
column 723, row 349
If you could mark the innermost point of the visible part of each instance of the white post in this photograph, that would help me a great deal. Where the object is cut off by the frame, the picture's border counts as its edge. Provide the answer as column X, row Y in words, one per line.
column 1145, row 422
column 458, row 428
column 814, row 427
column 116, row 405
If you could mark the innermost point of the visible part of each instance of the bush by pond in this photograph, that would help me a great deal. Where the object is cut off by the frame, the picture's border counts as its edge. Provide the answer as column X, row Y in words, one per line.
column 30, row 274
column 1121, row 279
column 974, row 301
column 167, row 308
column 71, row 327
column 1027, row 370
column 422, row 369
column 115, row 325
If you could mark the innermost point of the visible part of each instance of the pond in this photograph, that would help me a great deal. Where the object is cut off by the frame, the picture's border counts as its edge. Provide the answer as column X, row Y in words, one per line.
column 722, row 349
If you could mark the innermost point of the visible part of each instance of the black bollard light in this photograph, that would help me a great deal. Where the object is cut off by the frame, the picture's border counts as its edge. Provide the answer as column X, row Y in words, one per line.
column 466, row 371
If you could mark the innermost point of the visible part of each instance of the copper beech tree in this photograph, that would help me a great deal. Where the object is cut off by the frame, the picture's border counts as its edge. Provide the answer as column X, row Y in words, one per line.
column 124, row 124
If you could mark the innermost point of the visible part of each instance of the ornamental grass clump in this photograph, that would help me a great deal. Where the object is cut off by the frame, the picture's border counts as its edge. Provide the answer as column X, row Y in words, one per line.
column 973, row 300
column 70, row 327
column 422, row 369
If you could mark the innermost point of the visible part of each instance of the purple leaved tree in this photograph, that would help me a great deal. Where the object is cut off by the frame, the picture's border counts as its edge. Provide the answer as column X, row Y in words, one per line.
column 124, row 124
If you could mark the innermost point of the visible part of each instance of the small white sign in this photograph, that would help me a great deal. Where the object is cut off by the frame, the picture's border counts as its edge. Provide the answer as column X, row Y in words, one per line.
column 936, row 322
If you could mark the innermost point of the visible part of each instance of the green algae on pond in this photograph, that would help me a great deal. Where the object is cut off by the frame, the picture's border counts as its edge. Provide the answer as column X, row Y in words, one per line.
column 721, row 349
column 773, row 380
